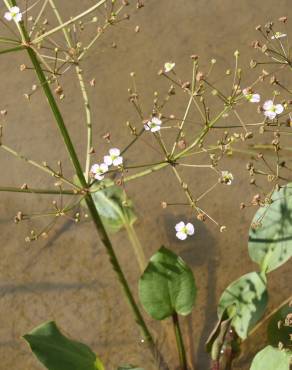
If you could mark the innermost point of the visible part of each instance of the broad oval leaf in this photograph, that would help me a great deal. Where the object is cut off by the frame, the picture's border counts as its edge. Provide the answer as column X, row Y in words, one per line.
column 245, row 301
column 279, row 328
column 167, row 286
column 57, row 352
column 271, row 358
column 270, row 235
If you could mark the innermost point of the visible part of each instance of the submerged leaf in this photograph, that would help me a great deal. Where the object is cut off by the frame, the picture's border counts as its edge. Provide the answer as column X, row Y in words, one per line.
column 270, row 236
column 279, row 328
column 167, row 286
column 271, row 358
column 115, row 209
column 57, row 352
column 112, row 204
column 245, row 301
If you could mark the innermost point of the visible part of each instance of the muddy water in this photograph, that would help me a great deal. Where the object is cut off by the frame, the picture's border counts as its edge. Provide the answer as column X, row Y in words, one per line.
column 67, row 278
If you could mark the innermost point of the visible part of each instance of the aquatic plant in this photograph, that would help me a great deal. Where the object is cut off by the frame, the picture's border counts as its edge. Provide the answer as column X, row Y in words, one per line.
column 167, row 288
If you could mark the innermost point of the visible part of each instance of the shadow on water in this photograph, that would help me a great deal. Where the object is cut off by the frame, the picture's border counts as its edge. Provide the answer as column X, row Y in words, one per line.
column 44, row 286
column 198, row 251
column 51, row 242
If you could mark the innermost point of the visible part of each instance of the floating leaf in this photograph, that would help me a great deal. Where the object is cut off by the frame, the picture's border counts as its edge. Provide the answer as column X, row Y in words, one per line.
column 270, row 236
column 113, row 206
column 279, row 328
column 57, row 352
column 271, row 358
column 167, row 286
column 245, row 301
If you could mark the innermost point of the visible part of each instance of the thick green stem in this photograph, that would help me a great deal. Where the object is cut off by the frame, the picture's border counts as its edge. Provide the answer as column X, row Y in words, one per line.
column 88, row 198
column 179, row 343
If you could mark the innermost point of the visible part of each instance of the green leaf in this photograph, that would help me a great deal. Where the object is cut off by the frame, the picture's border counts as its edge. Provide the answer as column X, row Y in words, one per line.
column 271, row 358
column 279, row 327
column 57, row 352
column 112, row 204
column 217, row 337
column 167, row 286
column 270, row 236
column 245, row 300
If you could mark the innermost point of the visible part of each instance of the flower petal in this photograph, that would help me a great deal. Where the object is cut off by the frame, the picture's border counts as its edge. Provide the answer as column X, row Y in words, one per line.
column 179, row 226
column 270, row 114
column 190, row 228
column 245, row 91
column 108, row 160
column 118, row 161
column 279, row 108
column 103, row 167
column 115, row 152
column 94, row 168
column 268, row 104
column 168, row 66
column 14, row 10
column 255, row 98
column 155, row 128
column 156, row 120
column 181, row 235
column 278, row 35
column 146, row 126
column 18, row 17
column 8, row 16
column 99, row 176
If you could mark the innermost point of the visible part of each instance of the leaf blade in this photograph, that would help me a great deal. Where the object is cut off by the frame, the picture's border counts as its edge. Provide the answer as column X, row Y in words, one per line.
column 167, row 286
column 57, row 352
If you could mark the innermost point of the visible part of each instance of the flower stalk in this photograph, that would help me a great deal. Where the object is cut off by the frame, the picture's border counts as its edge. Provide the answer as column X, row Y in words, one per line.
column 88, row 197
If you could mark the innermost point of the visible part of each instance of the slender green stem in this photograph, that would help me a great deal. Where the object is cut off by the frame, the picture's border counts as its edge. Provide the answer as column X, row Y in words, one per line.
column 83, row 92
column 88, row 119
column 137, row 247
column 182, row 123
column 179, row 343
column 88, row 198
column 6, row 40
column 11, row 50
column 64, row 29
column 93, row 41
column 69, row 22
column 203, row 133
column 38, row 17
column 11, row 189
column 39, row 166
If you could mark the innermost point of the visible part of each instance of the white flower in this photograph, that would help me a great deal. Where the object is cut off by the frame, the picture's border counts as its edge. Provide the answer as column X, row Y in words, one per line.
column 251, row 97
column 98, row 170
column 271, row 110
column 183, row 230
column 153, row 125
column 168, row 66
column 13, row 13
column 113, row 157
column 278, row 35
column 226, row 177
